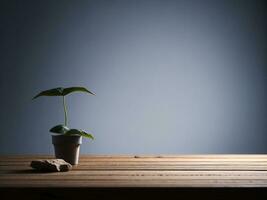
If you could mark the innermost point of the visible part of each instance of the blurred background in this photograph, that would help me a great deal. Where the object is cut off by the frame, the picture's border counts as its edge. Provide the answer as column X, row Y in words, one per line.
column 170, row 76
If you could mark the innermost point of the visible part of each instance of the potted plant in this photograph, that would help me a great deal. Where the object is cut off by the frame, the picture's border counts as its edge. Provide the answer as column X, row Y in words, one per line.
column 66, row 141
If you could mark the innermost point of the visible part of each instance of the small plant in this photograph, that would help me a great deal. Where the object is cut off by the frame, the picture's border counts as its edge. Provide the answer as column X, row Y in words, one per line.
column 63, row 128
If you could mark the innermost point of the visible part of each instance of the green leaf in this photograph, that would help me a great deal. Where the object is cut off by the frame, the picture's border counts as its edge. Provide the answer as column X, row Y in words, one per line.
column 69, row 90
column 79, row 132
column 73, row 132
column 60, row 91
column 52, row 92
column 87, row 135
column 61, row 129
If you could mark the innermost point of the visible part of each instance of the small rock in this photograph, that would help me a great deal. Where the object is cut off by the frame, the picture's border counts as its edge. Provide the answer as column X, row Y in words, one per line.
column 51, row 165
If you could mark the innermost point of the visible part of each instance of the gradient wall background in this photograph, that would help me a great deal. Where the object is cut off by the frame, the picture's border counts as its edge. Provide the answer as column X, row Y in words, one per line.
column 170, row 76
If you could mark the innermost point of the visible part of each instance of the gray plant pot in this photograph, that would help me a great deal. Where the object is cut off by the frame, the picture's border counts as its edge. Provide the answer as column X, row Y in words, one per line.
column 67, row 147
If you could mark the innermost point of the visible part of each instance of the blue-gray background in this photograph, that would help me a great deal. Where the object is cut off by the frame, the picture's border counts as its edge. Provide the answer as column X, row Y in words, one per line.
column 170, row 76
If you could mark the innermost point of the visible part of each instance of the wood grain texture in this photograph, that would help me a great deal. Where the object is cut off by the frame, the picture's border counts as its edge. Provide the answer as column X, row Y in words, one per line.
column 148, row 171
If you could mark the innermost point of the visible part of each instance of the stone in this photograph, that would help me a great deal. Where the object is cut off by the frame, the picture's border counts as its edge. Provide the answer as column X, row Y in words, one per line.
column 51, row 165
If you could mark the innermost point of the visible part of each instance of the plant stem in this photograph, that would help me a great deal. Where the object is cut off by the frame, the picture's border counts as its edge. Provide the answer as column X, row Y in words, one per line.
column 65, row 112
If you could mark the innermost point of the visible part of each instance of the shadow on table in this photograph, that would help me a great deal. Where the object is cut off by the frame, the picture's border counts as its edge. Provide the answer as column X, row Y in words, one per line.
column 134, row 193
column 28, row 171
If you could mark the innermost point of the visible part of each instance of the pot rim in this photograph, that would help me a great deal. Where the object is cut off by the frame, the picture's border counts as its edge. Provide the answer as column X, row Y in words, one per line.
column 66, row 139
column 64, row 135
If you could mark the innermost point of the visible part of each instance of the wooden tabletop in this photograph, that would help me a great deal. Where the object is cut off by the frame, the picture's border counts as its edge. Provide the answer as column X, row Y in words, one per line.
column 178, row 171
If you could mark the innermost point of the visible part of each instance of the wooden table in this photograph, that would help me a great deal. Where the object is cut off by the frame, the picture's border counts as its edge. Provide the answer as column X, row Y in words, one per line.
column 158, row 175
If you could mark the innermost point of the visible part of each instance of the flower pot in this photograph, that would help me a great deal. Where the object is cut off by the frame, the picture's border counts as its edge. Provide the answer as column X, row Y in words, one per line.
column 67, row 147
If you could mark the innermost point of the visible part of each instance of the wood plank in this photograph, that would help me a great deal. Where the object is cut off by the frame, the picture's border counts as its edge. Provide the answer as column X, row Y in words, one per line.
column 134, row 183
column 155, row 167
column 160, row 163
column 141, row 171
column 147, row 157
column 187, row 167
